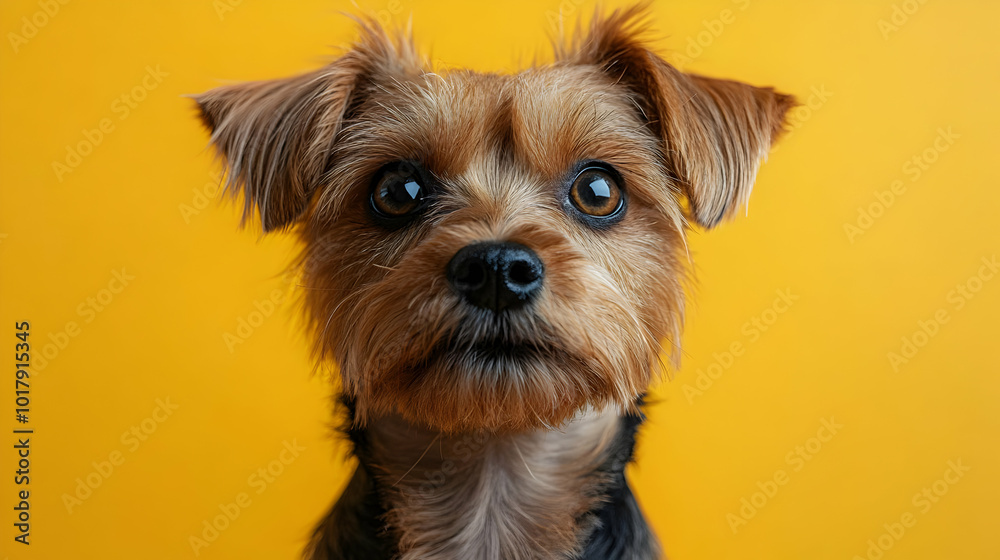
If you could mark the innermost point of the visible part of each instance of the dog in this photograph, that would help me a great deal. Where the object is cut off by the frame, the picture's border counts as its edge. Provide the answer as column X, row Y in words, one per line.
column 495, row 265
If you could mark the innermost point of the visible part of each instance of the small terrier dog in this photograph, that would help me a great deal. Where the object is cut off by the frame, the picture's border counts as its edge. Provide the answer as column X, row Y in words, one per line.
column 493, row 263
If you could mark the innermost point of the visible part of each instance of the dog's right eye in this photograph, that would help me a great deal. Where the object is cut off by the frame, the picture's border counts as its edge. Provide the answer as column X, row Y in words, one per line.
column 398, row 192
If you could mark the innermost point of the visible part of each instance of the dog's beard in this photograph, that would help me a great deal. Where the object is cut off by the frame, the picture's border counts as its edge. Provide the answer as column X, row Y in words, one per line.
column 492, row 383
column 455, row 369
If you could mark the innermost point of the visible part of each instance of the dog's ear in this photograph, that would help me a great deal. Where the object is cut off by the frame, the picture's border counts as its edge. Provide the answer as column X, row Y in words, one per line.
column 276, row 137
column 714, row 132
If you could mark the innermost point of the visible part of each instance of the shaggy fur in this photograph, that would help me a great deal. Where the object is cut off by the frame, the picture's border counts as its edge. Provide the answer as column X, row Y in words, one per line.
column 548, row 395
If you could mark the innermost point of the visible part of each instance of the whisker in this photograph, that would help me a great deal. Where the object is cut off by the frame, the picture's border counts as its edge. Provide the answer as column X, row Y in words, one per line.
column 431, row 444
column 523, row 460
column 315, row 289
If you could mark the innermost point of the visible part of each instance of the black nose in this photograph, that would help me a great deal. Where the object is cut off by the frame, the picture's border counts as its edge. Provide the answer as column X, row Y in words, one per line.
column 496, row 276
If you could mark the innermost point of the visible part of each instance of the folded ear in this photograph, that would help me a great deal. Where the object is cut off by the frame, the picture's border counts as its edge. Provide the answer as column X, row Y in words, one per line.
column 276, row 137
column 714, row 132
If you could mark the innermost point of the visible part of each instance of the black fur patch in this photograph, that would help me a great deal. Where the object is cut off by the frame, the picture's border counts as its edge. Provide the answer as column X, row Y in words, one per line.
column 354, row 529
column 620, row 531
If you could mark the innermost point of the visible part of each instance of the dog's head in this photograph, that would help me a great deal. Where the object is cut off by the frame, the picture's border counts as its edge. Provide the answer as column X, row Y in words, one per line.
column 486, row 251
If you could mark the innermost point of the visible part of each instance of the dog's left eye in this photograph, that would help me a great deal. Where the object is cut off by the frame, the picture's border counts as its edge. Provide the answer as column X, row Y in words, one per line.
column 595, row 192
column 398, row 191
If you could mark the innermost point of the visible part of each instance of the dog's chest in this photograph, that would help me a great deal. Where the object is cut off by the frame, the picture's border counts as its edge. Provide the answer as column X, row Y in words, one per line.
column 473, row 496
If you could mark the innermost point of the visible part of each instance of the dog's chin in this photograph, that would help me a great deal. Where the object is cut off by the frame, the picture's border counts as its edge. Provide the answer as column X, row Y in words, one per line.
column 489, row 385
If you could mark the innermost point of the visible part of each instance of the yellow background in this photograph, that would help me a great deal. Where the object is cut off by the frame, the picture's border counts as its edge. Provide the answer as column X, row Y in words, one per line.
column 196, row 277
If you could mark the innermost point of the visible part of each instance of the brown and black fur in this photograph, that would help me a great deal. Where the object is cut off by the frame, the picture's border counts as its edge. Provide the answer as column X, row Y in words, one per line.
column 492, row 433
column 612, row 528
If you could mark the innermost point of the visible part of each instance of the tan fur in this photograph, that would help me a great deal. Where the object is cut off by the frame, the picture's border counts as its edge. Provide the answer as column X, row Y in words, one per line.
column 495, row 191
column 501, row 148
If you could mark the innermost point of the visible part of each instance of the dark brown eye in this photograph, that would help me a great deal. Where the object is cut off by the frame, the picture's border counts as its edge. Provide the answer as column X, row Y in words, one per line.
column 595, row 193
column 398, row 192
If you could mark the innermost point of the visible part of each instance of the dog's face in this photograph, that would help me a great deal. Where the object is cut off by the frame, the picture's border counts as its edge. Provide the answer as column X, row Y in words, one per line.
column 488, row 251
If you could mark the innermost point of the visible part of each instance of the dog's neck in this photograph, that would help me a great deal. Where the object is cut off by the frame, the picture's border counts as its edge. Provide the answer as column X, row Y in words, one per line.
column 532, row 495
column 475, row 496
